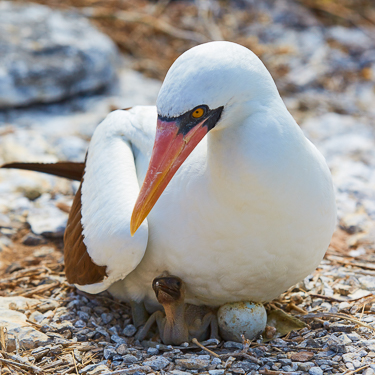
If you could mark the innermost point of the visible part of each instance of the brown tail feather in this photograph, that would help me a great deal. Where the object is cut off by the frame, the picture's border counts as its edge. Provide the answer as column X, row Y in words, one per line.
column 67, row 169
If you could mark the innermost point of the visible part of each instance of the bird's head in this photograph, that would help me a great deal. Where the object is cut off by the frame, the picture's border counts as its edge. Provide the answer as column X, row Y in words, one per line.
column 169, row 289
column 209, row 87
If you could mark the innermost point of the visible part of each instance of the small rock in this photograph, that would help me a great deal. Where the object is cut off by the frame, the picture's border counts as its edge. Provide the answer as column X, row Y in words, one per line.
column 43, row 251
column 51, row 55
column 285, row 361
column 152, row 351
column 83, row 316
column 157, row 363
column 128, row 358
column 315, row 371
column 194, row 362
column 344, row 339
column 216, row 372
column 354, row 336
column 246, row 366
column 88, row 368
column 17, row 327
column 99, row 370
column 80, row 324
column 122, row 349
column 18, row 303
column 36, row 317
column 31, row 239
column 233, row 345
column 47, row 221
column 107, row 317
column 129, row 330
column 303, row 356
column 339, row 327
column 367, row 282
column 306, row 366
column 117, row 339
column 109, row 352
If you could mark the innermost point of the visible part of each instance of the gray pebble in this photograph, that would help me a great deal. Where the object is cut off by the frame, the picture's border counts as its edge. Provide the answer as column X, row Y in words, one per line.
column 153, row 351
column 305, row 366
column 233, row 345
column 31, row 239
column 117, row 339
column 83, row 316
column 122, row 349
column 80, row 324
column 129, row 358
column 157, row 363
column 129, row 330
column 109, row 352
column 106, row 317
column 315, row 371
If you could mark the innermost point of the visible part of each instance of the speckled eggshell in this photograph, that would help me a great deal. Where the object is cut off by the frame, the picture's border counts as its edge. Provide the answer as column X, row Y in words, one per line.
column 241, row 318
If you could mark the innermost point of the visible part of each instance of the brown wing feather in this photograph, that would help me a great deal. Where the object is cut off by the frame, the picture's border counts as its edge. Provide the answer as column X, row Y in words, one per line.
column 67, row 169
column 79, row 267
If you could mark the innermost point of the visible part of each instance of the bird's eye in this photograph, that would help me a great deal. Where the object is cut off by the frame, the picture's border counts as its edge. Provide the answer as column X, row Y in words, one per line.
column 178, row 284
column 198, row 112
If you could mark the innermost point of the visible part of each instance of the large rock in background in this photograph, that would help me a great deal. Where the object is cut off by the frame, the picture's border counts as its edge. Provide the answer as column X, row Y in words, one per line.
column 48, row 55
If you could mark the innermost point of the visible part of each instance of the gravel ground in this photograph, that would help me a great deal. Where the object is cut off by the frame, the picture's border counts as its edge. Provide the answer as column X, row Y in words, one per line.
column 327, row 77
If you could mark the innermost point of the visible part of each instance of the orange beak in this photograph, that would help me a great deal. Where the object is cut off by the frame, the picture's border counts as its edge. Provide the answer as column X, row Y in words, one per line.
column 172, row 146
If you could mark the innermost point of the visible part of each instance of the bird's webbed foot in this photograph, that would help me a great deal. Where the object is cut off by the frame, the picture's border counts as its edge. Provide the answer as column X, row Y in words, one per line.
column 157, row 317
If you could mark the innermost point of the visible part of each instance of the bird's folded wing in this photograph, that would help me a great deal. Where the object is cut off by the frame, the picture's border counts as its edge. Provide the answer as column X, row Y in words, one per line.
column 67, row 169
column 79, row 267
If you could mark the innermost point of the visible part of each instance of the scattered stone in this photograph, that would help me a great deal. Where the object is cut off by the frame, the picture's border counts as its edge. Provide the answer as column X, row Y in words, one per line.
column 128, row 358
column 48, row 221
column 152, row 351
column 194, row 362
column 122, row 349
column 339, row 327
column 31, row 239
column 18, row 303
column 19, row 330
column 367, row 282
column 233, row 345
column 157, row 363
column 129, row 330
column 302, row 356
column 51, row 55
column 43, row 251
column 107, row 317
column 99, row 370
column 315, row 371
column 306, row 366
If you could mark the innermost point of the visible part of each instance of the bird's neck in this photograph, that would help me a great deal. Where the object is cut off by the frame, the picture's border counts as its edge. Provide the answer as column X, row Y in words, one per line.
column 176, row 330
column 175, row 313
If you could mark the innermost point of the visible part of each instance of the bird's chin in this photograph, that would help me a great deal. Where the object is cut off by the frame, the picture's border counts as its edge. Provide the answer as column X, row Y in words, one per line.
column 167, row 296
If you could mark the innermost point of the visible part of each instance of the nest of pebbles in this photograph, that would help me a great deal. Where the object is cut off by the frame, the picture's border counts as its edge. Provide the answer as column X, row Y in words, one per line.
column 64, row 331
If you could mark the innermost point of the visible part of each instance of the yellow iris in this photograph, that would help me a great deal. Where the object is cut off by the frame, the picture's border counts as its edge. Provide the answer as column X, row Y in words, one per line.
column 199, row 112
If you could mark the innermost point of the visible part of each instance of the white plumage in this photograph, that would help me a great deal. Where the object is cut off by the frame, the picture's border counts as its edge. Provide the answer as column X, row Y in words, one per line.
column 249, row 213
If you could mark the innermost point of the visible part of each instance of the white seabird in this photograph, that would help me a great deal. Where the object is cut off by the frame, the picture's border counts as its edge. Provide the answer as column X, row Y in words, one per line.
column 250, row 209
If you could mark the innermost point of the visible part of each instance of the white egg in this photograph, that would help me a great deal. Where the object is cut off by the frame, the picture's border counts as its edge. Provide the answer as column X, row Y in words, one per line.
column 241, row 318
